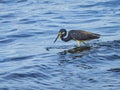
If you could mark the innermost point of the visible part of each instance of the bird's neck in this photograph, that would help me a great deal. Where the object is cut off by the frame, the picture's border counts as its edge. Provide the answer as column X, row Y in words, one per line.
column 63, row 38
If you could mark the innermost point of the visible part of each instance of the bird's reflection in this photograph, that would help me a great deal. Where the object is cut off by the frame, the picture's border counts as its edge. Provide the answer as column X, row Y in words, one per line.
column 76, row 50
column 71, row 55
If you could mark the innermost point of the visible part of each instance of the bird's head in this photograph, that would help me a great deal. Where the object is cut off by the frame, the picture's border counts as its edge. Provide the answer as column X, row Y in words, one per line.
column 61, row 33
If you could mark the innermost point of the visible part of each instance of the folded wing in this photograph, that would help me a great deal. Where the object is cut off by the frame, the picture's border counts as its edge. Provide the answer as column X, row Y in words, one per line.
column 83, row 35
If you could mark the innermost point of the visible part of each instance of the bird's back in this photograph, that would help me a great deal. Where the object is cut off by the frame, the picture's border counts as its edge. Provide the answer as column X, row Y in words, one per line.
column 83, row 35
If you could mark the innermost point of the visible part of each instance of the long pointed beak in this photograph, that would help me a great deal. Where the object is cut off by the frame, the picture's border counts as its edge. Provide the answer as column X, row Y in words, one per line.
column 57, row 37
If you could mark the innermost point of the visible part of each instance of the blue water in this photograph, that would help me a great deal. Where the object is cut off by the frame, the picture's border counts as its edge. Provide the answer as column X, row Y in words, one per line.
column 30, row 61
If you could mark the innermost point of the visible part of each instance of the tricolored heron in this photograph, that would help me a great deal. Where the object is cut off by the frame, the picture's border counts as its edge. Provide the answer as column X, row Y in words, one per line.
column 77, row 35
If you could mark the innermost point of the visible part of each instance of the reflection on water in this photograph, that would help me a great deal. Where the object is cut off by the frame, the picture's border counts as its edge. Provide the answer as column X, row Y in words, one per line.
column 78, row 49
column 75, row 50
column 30, row 61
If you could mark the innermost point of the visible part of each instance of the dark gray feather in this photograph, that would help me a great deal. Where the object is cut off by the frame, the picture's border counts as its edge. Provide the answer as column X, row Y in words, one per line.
column 82, row 35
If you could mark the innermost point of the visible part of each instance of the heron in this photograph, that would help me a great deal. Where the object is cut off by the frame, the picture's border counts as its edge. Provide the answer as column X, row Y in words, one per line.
column 77, row 35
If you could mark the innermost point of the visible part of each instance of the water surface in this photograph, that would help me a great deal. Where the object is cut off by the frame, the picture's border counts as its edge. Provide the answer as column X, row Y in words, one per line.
column 30, row 61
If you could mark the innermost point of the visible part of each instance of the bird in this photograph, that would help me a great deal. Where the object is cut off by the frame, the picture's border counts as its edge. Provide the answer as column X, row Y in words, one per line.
column 77, row 35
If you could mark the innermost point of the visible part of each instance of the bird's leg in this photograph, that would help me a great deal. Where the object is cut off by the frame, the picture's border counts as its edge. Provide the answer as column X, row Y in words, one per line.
column 87, row 44
column 78, row 43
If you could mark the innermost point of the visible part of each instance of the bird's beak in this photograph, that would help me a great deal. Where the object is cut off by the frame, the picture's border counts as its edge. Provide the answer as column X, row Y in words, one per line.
column 59, row 34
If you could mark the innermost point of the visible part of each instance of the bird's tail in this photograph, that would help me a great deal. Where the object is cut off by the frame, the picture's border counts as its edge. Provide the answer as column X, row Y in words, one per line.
column 98, row 35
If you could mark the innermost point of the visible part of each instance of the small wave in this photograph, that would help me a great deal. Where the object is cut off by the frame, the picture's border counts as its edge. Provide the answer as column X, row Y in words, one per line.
column 48, row 13
column 114, row 69
column 6, row 41
column 112, row 3
column 52, row 26
column 37, row 32
column 5, row 21
column 104, row 4
column 84, row 6
column 26, row 75
column 91, row 20
column 16, row 58
column 59, row 17
column 112, row 57
column 26, row 21
column 22, row 1
column 47, row 2
column 114, row 44
column 20, row 36
column 13, row 1
column 9, row 15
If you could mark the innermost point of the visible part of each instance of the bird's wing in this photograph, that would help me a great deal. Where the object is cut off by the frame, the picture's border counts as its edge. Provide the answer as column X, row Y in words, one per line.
column 82, row 35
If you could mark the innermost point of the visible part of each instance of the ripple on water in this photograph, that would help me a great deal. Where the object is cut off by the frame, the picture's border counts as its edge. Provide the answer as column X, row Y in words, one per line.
column 20, row 36
column 9, row 1
column 6, row 41
column 26, row 75
column 19, row 58
column 27, row 21
column 112, row 3
column 84, row 6
column 28, row 27
column 8, row 15
column 114, row 70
